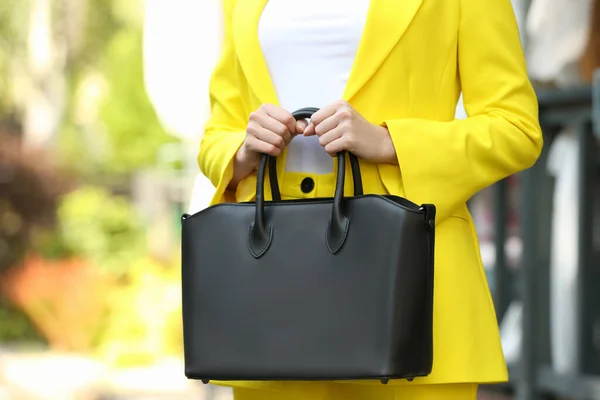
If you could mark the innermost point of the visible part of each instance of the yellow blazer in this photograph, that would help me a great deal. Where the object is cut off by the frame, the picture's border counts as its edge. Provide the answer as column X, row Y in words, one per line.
column 414, row 59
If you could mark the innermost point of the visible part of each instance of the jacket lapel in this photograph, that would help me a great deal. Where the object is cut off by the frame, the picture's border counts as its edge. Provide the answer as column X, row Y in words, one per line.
column 386, row 23
column 387, row 20
column 245, row 35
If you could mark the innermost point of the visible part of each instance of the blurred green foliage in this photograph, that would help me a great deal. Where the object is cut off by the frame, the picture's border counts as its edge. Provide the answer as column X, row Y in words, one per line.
column 135, row 132
column 13, row 23
column 111, row 126
column 98, row 226
column 141, row 297
column 101, row 24
column 20, row 328
column 109, row 131
column 144, row 323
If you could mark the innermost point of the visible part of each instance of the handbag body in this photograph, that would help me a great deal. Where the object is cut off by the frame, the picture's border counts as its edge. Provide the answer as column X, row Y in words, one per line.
column 317, row 289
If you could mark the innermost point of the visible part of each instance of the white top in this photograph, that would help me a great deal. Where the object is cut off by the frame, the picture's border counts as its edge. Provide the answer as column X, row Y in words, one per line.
column 309, row 47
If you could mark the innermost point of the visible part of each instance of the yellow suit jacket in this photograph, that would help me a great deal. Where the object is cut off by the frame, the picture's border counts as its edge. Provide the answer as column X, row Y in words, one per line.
column 414, row 59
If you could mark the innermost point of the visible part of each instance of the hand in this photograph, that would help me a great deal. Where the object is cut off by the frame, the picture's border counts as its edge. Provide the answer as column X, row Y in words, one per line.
column 269, row 130
column 340, row 127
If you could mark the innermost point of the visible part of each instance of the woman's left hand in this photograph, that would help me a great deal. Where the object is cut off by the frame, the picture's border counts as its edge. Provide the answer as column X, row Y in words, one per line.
column 340, row 127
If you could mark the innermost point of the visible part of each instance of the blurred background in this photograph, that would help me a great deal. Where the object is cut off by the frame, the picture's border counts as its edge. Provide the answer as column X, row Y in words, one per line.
column 102, row 104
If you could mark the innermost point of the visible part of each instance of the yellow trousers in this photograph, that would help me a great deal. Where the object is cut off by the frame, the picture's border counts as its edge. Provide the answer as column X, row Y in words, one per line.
column 335, row 391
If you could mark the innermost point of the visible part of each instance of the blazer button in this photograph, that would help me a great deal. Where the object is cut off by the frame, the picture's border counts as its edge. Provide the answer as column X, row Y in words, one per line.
column 307, row 185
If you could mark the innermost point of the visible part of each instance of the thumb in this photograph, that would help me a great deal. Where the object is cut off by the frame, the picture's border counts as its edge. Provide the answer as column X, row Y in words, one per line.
column 309, row 130
column 300, row 126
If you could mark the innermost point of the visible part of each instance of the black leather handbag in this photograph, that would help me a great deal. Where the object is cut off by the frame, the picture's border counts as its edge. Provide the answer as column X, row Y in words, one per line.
column 317, row 289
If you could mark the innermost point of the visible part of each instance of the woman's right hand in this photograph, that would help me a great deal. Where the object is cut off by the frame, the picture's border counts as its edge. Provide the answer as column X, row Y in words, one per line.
column 269, row 130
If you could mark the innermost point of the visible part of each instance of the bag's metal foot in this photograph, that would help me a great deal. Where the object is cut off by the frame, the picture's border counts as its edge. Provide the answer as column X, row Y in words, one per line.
column 205, row 381
column 385, row 381
column 410, row 379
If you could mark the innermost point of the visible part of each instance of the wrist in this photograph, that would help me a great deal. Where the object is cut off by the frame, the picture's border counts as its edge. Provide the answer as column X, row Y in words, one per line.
column 243, row 165
column 246, row 160
column 388, row 150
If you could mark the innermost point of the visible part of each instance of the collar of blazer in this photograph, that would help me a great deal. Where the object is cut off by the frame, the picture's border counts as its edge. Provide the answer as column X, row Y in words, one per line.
column 387, row 20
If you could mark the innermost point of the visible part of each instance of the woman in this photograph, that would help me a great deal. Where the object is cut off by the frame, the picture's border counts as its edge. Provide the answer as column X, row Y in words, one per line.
column 387, row 75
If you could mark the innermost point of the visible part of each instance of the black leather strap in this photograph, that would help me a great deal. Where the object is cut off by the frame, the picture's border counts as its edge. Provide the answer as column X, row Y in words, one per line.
column 356, row 175
column 275, row 193
column 339, row 223
column 260, row 234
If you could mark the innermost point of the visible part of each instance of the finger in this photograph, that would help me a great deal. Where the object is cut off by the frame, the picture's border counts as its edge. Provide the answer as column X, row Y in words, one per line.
column 282, row 116
column 327, row 125
column 336, row 146
column 268, row 136
column 324, row 113
column 309, row 130
column 301, row 125
column 273, row 125
column 330, row 136
column 259, row 146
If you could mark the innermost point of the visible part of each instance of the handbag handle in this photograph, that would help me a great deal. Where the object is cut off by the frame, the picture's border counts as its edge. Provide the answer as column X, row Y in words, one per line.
column 260, row 235
column 305, row 113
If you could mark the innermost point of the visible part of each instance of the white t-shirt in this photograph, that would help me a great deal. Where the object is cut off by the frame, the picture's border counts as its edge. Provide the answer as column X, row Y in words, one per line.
column 309, row 47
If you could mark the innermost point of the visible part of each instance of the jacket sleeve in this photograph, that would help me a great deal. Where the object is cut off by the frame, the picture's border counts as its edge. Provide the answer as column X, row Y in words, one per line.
column 225, row 130
column 445, row 163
